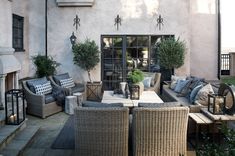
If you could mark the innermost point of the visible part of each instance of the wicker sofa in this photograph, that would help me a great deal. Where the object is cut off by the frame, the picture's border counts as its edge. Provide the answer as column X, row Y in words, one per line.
column 39, row 105
column 101, row 131
column 156, row 84
column 160, row 131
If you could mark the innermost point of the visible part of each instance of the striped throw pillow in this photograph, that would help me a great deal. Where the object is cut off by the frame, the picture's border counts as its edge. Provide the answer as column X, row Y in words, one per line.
column 67, row 83
column 43, row 89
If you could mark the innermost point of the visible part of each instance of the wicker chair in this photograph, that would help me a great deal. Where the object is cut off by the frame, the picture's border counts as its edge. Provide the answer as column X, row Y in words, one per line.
column 36, row 104
column 160, row 131
column 101, row 131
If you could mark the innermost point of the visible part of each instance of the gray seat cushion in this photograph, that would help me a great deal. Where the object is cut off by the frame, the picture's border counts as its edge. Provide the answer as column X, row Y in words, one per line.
column 34, row 82
column 166, row 104
column 78, row 88
column 49, row 98
column 100, row 105
column 59, row 77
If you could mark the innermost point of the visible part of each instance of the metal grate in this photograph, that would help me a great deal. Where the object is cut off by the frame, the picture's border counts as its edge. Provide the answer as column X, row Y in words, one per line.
column 225, row 63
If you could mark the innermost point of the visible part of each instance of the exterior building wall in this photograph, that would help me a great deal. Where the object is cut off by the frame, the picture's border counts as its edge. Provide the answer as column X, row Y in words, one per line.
column 204, row 39
column 181, row 18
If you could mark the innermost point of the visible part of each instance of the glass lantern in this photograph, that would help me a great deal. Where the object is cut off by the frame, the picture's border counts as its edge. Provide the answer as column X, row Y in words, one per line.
column 14, row 107
column 216, row 104
column 135, row 92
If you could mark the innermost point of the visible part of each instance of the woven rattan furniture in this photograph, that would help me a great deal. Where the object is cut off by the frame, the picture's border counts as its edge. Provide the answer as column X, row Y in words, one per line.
column 159, row 131
column 36, row 104
column 101, row 131
column 156, row 86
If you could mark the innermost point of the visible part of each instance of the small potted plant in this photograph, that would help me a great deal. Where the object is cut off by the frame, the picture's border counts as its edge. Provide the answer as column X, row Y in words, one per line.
column 87, row 56
column 135, row 78
column 45, row 66
column 171, row 53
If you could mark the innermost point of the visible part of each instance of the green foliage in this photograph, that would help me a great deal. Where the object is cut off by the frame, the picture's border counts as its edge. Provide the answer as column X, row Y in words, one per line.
column 228, row 80
column 45, row 66
column 227, row 148
column 171, row 53
column 86, row 55
column 136, row 76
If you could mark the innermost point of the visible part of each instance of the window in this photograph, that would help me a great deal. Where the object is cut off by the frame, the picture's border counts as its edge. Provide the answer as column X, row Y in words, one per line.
column 18, row 33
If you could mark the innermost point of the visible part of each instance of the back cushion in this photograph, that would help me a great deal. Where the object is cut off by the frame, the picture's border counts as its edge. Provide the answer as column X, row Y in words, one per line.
column 67, row 83
column 43, row 89
column 57, row 78
column 152, row 75
column 32, row 83
column 166, row 104
column 98, row 104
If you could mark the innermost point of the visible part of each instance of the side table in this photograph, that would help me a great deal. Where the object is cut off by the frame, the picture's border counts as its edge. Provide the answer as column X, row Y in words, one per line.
column 200, row 119
column 79, row 97
column 70, row 104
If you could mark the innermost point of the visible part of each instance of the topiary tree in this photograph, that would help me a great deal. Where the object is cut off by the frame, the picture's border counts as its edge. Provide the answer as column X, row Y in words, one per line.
column 171, row 53
column 86, row 55
column 45, row 66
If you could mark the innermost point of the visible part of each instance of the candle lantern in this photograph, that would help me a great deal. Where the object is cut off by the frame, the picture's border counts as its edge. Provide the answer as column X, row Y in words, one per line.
column 216, row 104
column 14, row 107
column 135, row 92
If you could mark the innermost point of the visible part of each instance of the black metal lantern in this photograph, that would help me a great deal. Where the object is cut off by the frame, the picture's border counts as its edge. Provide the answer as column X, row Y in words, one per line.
column 73, row 39
column 216, row 104
column 135, row 92
column 14, row 107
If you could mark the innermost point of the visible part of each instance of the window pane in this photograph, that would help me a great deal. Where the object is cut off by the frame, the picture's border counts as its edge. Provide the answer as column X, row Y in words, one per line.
column 117, row 42
column 117, row 53
column 107, row 42
column 131, row 41
column 107, row 53
column 143, row 41
column 132, row 52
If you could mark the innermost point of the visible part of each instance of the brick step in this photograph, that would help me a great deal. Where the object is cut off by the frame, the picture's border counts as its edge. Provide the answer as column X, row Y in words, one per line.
column 20, row 141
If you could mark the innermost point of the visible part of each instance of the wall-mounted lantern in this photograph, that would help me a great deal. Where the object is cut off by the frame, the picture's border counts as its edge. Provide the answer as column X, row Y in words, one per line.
column 73, row 39
column 159, row 22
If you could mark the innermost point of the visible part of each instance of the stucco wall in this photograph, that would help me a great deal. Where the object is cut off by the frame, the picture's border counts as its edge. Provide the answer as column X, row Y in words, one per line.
column 193, row 21
column 138, row 17
column 204, row 38
column 20, row 7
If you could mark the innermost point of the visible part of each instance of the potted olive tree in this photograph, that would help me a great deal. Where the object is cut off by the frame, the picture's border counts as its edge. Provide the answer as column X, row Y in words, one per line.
column 87, row 56
column 135, row 78
column 45, row 66
column 171, row 53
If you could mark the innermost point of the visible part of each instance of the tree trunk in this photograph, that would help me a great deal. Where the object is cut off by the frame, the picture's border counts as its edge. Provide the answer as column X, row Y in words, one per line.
column 89, row 76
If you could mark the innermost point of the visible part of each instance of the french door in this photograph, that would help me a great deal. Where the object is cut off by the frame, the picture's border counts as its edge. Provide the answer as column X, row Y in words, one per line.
column 122, row 53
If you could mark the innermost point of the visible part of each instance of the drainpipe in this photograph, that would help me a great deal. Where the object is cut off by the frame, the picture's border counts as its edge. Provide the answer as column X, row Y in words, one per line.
column 219, row 40
column 46, row 28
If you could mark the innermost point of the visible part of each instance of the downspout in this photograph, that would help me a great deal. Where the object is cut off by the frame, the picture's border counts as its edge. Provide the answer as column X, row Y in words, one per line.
column 219, row 39
column 46, row 28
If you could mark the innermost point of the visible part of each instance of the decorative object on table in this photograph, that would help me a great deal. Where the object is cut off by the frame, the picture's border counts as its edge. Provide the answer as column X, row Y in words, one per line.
column 73, row 39
column 122, row 87
column 216, row 104
column 159, row 22
column 171, row 53
column 79, row 98
column 14, row 107
column 117, row 21
column 76, row 22
column 127, row 91
column 229, row 93
column 135, row 77
column 135, row 92
column 87, row 56
column 45, row 65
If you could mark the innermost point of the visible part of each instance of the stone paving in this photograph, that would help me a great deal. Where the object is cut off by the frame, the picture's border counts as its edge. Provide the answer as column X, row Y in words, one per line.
column 50, row 128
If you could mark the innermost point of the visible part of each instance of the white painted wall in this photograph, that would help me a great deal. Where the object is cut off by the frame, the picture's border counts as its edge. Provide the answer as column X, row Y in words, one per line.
column 193, row 22
column 204, row 39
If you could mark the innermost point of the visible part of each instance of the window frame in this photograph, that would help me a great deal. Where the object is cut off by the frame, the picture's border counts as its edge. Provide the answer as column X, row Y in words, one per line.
column 20, row 21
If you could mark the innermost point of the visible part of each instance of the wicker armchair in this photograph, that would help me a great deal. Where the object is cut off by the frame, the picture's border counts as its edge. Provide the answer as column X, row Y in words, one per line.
column 156, row 86
column 37, row 105
column 101, row 131
column 160, row 131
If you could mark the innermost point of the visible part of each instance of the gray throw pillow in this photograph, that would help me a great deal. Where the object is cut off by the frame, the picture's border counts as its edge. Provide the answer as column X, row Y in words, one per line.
column 100, row 105
column 158, row 105
column 34, row 82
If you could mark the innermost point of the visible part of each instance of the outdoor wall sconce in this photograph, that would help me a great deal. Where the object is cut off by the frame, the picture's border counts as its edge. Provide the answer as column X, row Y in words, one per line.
column 76, row 22
column 159, row 22
column 73, row 39
column 117, row 21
